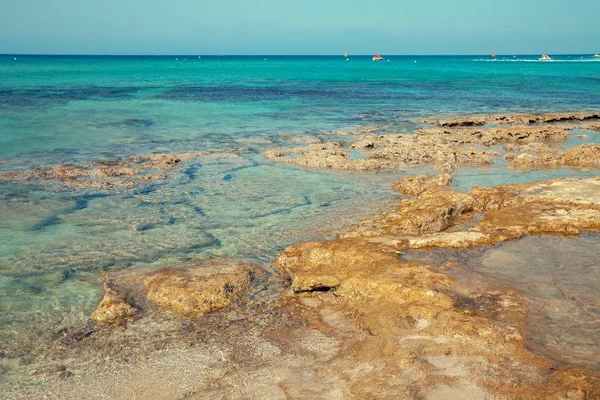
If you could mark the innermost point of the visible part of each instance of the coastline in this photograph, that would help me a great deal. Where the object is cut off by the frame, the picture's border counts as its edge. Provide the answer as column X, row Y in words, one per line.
column 359, row 321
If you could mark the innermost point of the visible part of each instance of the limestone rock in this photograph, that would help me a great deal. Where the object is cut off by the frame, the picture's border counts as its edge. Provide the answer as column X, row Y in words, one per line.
column 466, row 121
column 585, row 155
column 113, row 309
column 327, row 156
column 197, row 290
column 491, row 136
column 414, row 185
column 428, row 213
column 452, row 143
column 425, row 332
column 517, row 119
column 109, row 174
column 188, row 290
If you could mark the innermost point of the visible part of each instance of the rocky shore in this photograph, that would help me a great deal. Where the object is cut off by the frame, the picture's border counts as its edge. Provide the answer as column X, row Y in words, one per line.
column 347, row 317
column 357, row 320
column 426, row 333
column 446, row 144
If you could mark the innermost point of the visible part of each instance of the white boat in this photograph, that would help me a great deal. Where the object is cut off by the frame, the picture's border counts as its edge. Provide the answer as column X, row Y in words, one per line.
column 545, row 57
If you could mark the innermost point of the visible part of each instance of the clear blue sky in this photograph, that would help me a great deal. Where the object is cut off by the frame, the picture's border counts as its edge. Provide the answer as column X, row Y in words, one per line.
column 299, row 26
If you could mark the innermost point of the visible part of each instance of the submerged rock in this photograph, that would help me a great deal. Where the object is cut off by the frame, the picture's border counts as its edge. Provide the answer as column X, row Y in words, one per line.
column 110, row 174
column 360, row 130
column 326, row 156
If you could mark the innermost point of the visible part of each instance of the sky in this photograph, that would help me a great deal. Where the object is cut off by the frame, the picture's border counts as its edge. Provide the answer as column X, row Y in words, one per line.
column 299, row 26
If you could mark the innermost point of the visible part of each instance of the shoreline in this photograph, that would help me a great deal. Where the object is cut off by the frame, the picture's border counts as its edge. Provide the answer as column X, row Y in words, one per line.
column 359, row 322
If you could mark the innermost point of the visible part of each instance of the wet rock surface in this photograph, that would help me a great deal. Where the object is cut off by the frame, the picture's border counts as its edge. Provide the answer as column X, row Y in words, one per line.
column 458, row 335
column 326, row 156
column 198, row 290
column 114, row 308
column 414, row 185
column 562, row 206
column 586, row 155
column 557, row 276
column 190, row 291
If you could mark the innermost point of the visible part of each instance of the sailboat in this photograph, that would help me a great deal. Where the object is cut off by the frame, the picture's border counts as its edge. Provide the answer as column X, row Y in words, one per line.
column 377, row 57
column 545, row 57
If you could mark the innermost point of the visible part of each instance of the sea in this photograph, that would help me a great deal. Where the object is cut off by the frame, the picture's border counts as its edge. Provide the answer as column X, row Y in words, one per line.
column 58, row 241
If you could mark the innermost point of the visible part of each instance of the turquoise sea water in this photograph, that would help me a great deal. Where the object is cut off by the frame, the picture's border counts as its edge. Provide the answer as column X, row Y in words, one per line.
column 62, row 109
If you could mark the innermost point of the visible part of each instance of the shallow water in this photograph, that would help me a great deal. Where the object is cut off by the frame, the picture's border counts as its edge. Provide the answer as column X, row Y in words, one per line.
column 71, row 110
column 558, row 276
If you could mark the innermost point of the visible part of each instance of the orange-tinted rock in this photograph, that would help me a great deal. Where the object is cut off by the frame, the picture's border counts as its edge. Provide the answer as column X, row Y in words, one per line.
column 535, row 147
column 516, row 119
column 424, row 332
column 585, row 155
column 197, row 290
column 327, row 156
column 430, row 212
column 414, row 185
column 190, row 290
column 444, row 147
column 113, row 308
column 446, row 218
column 492, row 136
column 592, row 126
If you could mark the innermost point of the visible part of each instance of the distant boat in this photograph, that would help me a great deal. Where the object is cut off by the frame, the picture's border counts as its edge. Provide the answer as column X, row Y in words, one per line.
column 346, row 54
column 596, row 55
column 493, row 54
column 545, row 57
column 377, row 57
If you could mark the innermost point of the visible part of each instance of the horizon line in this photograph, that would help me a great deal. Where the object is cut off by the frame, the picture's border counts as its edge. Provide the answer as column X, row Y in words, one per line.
column 281, row 55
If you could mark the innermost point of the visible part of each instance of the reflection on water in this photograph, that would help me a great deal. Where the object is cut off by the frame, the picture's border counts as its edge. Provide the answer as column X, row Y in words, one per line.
column 560, row 278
